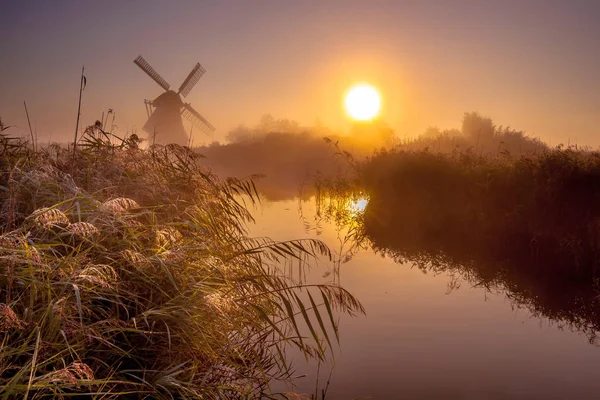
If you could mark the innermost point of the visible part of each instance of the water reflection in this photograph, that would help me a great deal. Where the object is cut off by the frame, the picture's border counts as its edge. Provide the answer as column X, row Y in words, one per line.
column 359, row 204
column 345, row 214
column 564, row 295
column 417, row 342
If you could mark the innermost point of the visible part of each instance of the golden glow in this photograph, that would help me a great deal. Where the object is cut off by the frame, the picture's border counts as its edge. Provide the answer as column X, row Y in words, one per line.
column 358, row 205
column 362, row 102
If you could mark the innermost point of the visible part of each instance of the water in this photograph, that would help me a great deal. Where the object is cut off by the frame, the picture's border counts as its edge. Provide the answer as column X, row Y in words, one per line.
column 420, row 340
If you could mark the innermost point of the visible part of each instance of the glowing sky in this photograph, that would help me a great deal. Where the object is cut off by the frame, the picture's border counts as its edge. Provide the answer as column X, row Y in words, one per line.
column 532, row 64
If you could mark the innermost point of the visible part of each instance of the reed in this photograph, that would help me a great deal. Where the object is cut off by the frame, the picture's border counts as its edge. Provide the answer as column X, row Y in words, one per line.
column 528, row 226
column 134, row 277
column 538, row 207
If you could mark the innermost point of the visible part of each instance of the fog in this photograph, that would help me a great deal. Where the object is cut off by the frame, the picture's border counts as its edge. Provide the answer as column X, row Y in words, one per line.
column 290, row 157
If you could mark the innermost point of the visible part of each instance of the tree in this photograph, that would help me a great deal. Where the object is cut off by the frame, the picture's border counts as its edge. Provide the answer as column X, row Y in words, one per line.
column 475, row 126
column 432, row 132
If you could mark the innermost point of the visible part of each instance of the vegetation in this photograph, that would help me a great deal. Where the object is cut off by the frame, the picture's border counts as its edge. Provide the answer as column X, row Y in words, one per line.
column 541, row 208
column 478, row 135
column 294, row 157
column 526, row 223
column 486, row 203
column 529, row 225
column 524, row 220
column 129, row 273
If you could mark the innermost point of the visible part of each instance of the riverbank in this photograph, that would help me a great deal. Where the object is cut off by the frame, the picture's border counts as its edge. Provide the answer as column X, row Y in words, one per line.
column 528, row 225
column 129, row 272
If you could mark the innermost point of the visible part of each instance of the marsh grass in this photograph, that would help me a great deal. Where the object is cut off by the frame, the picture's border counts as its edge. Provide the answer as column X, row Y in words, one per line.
column 528, row 226
column 541, row 207
column 129, row 273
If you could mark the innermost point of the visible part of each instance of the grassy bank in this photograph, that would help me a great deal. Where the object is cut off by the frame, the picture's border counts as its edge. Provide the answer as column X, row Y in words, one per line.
column 128, row 273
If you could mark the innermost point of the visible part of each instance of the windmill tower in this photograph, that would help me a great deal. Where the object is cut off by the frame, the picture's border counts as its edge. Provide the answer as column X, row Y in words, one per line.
column 165, row 113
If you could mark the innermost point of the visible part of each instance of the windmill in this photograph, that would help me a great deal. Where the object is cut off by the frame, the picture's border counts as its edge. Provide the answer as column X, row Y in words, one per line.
column 165, row 112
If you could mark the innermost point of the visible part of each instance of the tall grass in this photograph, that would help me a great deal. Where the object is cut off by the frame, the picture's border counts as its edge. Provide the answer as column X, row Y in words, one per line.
column 129, row 273
column 526, row 225
column 539, row 207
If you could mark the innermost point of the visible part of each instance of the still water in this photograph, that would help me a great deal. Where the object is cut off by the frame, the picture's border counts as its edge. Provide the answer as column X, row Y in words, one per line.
column 421, row 340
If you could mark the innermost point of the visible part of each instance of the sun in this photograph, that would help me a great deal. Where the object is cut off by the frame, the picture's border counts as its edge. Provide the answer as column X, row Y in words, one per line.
column 362, row 102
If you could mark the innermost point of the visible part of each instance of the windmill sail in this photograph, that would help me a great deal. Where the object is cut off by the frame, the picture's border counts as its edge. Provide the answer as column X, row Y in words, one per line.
column 195, row 118
column 143, row 64
column 191, row 80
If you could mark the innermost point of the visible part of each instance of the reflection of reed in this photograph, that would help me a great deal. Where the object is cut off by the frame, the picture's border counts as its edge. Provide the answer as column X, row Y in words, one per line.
column 568, row 301
column 344, row 210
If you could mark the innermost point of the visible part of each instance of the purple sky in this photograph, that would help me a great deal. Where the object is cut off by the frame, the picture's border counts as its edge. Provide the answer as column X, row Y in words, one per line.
column 531, row 64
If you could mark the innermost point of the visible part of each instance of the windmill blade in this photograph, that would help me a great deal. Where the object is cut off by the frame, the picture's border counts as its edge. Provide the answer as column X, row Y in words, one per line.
column 143, row 64
column 191, row 80
column 196, row 119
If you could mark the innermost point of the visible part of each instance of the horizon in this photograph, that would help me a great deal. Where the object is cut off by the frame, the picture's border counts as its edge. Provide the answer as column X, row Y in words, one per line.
column 529, row 66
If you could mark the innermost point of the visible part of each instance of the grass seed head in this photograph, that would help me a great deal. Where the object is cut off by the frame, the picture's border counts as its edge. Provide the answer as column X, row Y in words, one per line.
column 48, row 217
column 83, row 229
column 104, row 276
column 167, row 237
column 71, row 375
column 120, row 205
column 8, row 319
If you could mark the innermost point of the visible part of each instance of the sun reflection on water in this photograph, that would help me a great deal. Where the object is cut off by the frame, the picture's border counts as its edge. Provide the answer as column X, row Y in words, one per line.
column 358, row 205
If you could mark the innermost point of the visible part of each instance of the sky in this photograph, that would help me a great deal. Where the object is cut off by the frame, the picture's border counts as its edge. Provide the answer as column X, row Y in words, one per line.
column 530, row 64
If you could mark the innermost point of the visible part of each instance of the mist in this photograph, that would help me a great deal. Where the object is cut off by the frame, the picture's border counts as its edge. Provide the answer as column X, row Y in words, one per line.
column 287, row 159
column 290, row 157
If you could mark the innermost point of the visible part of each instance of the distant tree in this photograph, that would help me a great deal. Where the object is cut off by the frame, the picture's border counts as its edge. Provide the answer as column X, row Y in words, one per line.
column 475, row 126
column 241, row 134
column 432, row 132
column 452, row 133
column 266, row 125
column 269, row 124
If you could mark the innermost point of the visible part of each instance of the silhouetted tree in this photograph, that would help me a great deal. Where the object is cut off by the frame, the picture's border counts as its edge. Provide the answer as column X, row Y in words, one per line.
column 475, row 126
column 432, row 132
